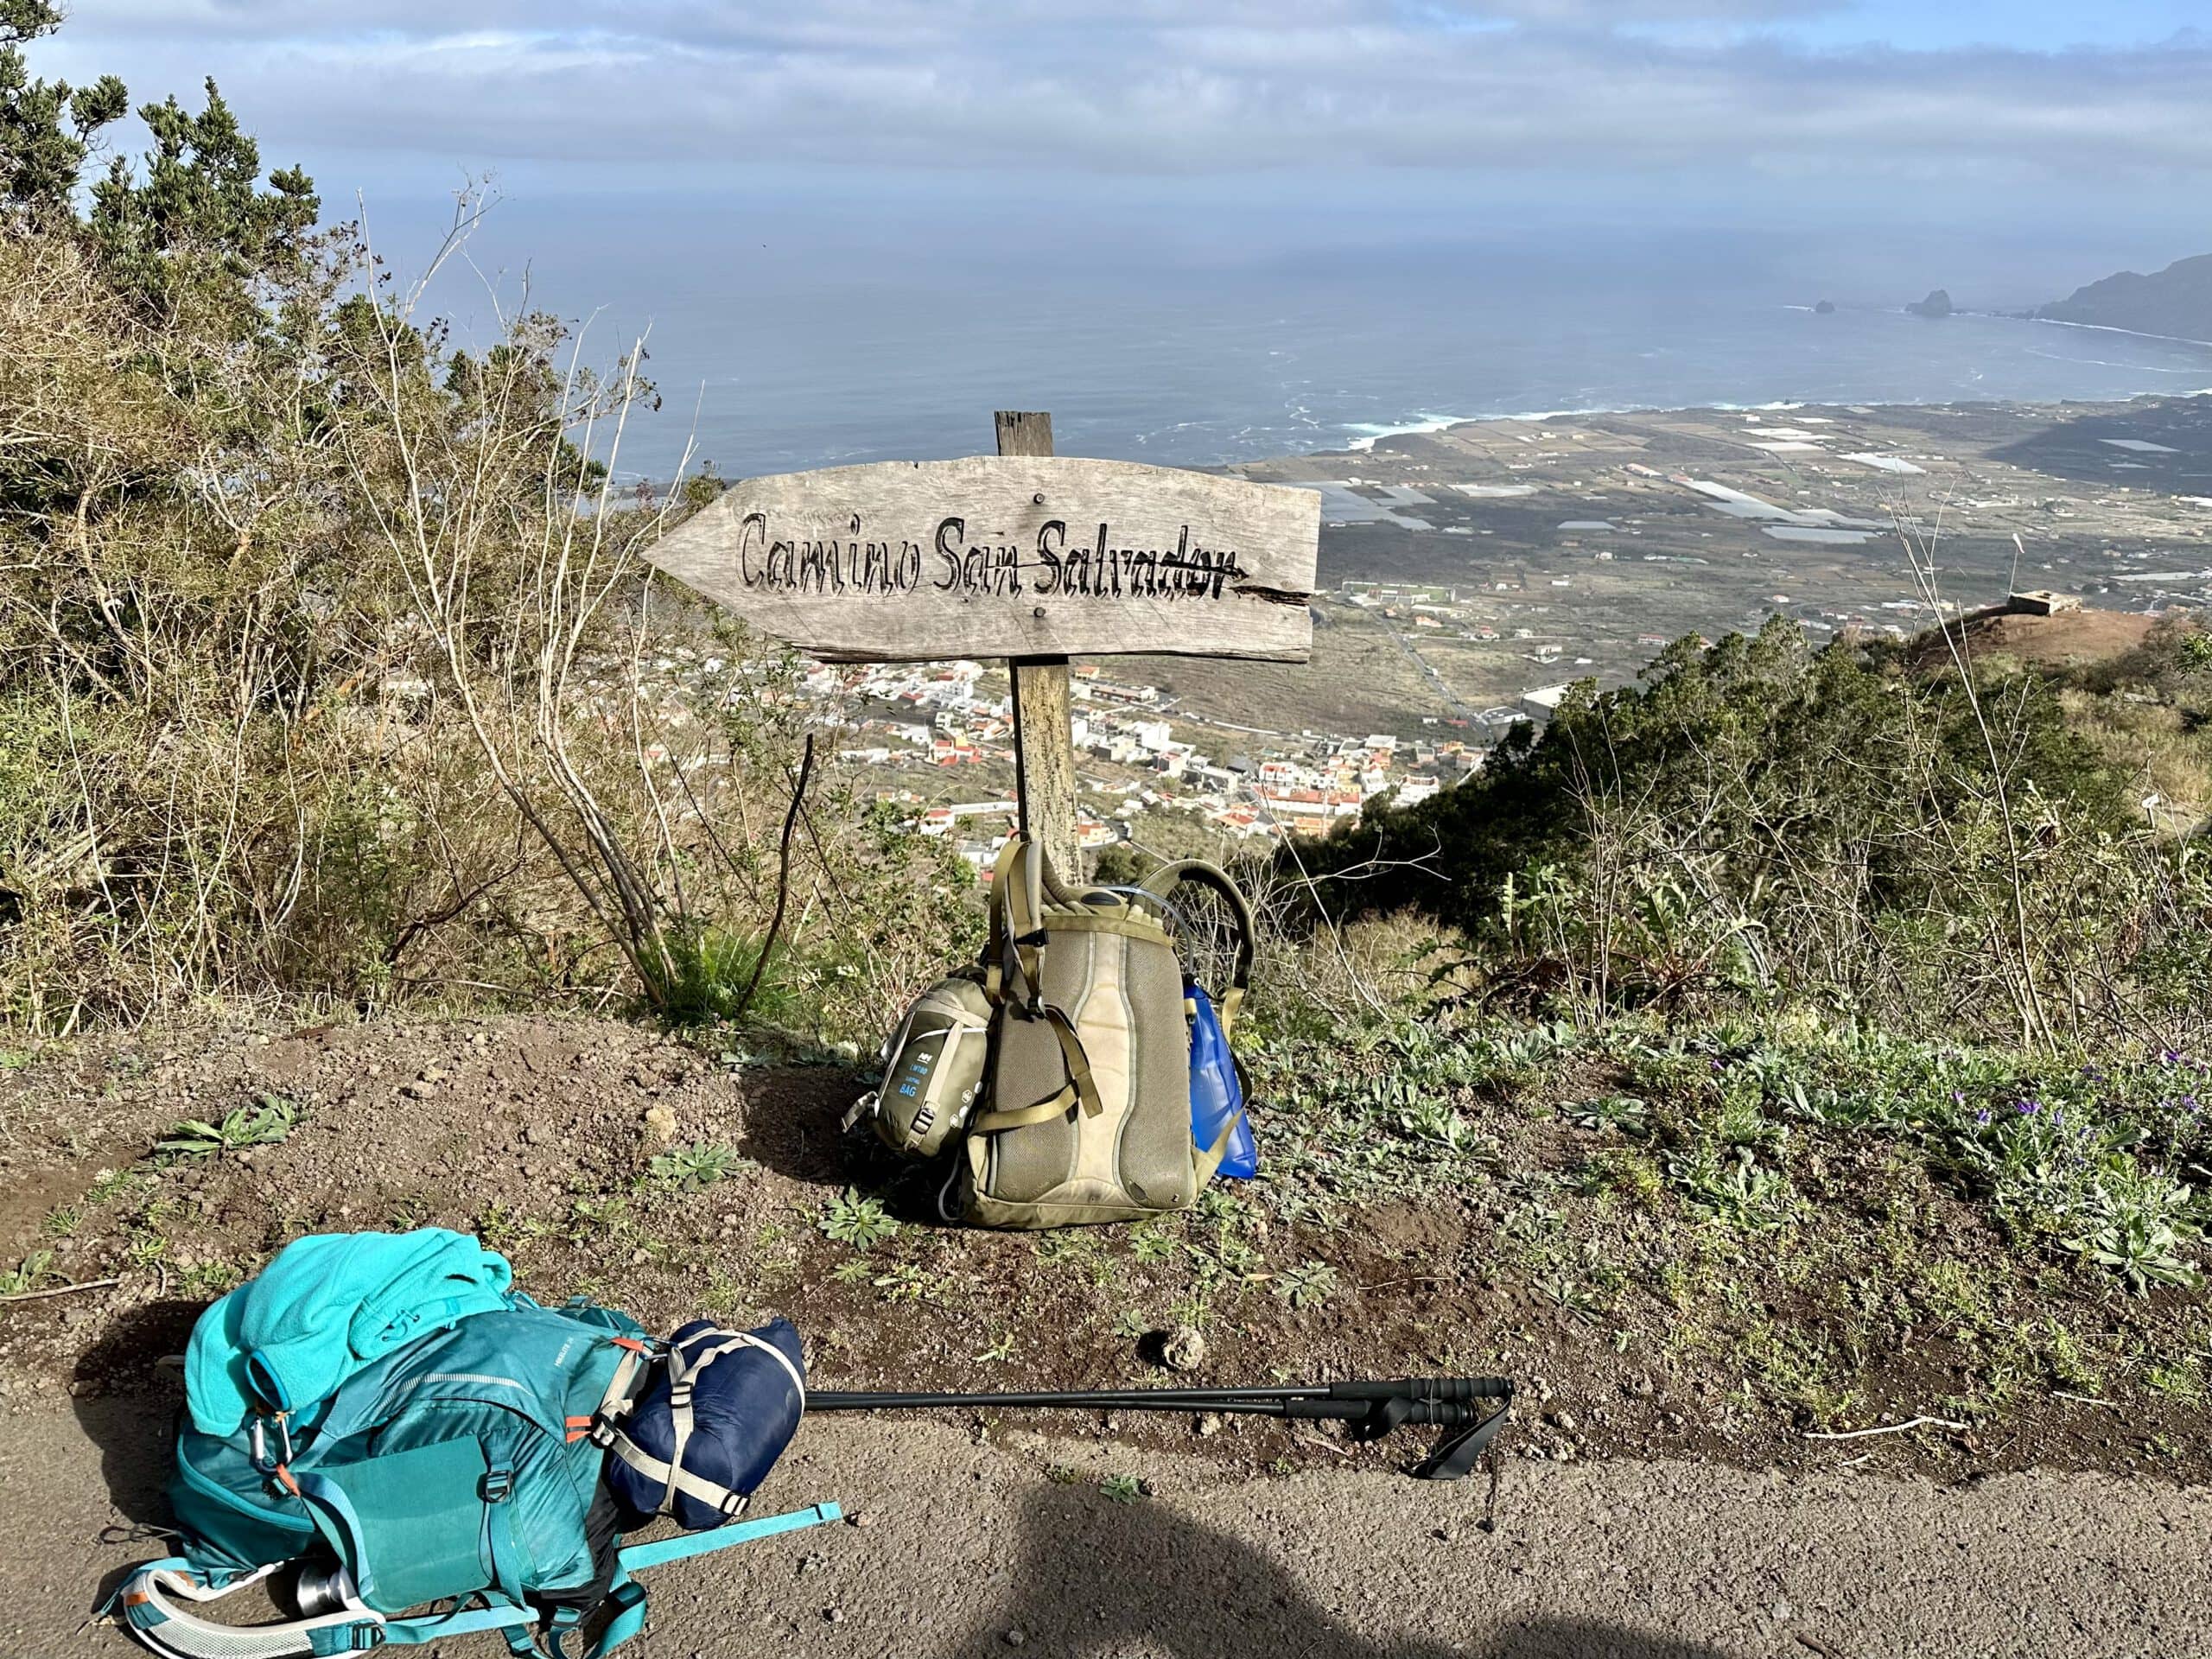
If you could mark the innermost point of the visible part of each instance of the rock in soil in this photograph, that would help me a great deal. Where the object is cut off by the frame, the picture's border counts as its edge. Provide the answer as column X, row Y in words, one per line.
column 1185, row 1349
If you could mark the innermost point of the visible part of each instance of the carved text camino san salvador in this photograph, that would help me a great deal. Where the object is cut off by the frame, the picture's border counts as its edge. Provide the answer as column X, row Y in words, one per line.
column 1053, row 564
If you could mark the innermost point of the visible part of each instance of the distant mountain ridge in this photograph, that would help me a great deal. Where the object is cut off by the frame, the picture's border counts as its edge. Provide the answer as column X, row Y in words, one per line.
column 2177, row 301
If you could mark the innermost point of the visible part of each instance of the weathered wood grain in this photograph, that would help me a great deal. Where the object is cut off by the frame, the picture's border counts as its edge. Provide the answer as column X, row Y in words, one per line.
column 1012, row 556
column 1044, row 733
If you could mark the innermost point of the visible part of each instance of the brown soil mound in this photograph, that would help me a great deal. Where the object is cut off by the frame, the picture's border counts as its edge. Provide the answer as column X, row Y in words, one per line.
column 540, row 1135
column 2067, row 637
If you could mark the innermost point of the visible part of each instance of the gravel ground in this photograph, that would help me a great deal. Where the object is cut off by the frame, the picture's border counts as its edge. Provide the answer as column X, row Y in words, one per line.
column 971, row 1545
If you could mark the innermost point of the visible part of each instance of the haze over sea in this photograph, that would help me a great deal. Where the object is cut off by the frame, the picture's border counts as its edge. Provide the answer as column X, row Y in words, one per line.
column 779, row 345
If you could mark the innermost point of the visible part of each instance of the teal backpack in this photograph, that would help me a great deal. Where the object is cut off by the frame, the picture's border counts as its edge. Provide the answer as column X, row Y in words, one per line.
column 460, row 1467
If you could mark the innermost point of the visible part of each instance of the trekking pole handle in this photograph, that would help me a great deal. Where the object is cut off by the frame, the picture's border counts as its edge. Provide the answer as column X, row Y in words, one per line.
column 1426, row 1388
column 1431, row 1413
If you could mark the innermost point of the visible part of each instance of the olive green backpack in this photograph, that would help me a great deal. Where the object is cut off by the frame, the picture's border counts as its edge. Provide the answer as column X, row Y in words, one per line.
column 1058, row 1070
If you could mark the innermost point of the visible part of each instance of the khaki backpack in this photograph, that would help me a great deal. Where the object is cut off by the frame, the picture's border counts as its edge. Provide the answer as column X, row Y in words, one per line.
column 1062, row 1062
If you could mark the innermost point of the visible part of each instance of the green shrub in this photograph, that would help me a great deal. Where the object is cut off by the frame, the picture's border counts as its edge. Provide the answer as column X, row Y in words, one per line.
column 1760, row 826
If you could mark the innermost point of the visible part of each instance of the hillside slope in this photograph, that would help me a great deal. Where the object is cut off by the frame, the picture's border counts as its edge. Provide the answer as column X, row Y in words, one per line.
column 2177, row 301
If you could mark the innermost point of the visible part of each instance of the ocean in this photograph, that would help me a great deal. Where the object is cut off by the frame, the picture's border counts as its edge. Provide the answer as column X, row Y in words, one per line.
column 814, row 347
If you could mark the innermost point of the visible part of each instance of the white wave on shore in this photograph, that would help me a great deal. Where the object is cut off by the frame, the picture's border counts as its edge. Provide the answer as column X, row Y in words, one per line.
column 2111, row 329
column 1371, row 432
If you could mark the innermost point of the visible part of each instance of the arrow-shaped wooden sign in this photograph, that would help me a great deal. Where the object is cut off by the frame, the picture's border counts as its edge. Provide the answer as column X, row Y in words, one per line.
column 1023, row 555
column 1008, row 556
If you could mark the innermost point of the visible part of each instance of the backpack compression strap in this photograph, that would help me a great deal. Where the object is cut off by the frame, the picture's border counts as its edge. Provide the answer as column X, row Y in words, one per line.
column 1080, row 1088
column 682, row 1373
column 1016, row 913
column 1018, row 936
column 621, row 1393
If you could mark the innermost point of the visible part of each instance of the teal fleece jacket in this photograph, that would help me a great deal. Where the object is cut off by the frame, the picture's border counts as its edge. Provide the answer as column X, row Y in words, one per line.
column 327, row 1305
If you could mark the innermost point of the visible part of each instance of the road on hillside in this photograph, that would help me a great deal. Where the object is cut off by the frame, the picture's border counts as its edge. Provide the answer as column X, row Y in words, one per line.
column 970, row 1547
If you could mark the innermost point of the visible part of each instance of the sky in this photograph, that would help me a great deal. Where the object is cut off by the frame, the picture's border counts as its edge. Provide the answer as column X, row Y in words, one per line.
column 1048, row 129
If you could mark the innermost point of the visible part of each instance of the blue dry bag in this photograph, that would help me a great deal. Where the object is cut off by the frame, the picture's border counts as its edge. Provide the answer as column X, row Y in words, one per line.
column 711, row 1423
column 1216, row 1092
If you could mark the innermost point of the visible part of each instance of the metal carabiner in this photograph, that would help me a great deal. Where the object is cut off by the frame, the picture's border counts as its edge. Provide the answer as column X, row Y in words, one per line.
column 257, row 1442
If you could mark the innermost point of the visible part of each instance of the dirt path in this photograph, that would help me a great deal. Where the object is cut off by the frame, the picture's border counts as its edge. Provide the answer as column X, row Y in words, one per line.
column 544, row 1137
column 960, row 1546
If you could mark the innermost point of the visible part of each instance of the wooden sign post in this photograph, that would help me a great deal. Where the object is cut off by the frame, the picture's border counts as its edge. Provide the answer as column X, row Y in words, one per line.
column 1044, row 722
column 1023, row 555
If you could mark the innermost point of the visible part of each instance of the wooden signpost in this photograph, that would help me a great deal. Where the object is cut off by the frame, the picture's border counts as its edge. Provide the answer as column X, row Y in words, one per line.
column 1021, row 555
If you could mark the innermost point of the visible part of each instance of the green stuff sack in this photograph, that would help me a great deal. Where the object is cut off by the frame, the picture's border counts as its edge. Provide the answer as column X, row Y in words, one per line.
column 1088, row 1107
column 933, row 1068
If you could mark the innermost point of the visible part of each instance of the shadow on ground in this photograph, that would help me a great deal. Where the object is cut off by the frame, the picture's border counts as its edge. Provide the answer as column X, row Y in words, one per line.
column 2162, row 445
column 126, row 1404
column 1093, row 1579
column 793, row 1126
column 793, row 1120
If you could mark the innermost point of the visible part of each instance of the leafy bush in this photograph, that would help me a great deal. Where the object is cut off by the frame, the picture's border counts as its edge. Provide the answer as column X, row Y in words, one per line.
column 859, row 1221
column 328, row 667
column 27, row 1275
column 1762, row 826
column 687, row 1169
column 1733, row 1187
column 1305, row 1284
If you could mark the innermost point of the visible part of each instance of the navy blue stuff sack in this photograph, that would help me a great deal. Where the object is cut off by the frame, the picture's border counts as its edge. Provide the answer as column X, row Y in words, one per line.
column 719, row 1409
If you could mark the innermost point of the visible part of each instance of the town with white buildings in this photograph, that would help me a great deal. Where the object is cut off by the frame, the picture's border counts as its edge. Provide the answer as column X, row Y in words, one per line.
column 939, row 738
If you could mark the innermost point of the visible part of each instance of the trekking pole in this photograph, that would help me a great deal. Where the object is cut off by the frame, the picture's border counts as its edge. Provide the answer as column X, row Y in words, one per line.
column 1370, row 1409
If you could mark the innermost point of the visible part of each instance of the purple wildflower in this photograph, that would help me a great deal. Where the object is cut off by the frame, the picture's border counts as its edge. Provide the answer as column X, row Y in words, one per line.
column 2027, row 1107
column 1982, row 1116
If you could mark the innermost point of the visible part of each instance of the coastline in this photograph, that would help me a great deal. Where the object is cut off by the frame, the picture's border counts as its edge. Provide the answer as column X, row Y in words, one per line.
column 1367, row 435
column 1424, row 424
column 2114, row 328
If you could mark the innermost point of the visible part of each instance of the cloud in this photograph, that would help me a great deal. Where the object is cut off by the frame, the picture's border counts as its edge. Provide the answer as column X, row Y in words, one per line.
column 669, row 91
